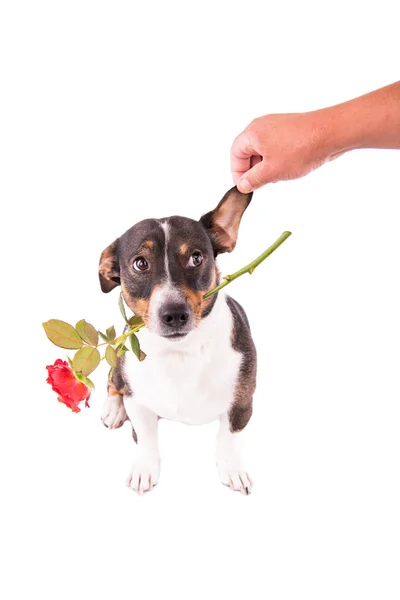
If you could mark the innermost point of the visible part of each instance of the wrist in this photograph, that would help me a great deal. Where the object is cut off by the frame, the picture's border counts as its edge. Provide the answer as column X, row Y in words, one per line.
column 341, row 131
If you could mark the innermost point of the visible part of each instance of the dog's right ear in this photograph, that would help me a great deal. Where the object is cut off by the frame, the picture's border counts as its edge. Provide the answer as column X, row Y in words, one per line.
column 222, row 223
column 109, row 268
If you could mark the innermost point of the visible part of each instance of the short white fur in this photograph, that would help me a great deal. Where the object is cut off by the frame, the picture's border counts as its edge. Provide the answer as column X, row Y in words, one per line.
column 191, row 380
column 165, row 293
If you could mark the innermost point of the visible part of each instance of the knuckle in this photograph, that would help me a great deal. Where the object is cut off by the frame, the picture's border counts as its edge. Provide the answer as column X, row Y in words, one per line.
column 243, row 143
column 238, row 142
column 235, row 145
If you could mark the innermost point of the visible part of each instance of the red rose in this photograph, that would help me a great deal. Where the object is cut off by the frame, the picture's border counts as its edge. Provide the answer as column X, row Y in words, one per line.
column 63, row 381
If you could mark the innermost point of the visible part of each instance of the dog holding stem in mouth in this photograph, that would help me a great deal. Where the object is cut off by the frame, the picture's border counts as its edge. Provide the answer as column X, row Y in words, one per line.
column 201, row 360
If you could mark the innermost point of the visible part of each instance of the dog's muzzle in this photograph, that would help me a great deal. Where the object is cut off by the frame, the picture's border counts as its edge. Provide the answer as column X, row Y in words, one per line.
column 176, row 319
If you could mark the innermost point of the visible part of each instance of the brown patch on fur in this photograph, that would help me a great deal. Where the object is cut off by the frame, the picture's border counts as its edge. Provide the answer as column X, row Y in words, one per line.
column 223, row 222
column 147, row 245
column 140, row 306
column 118, row 394
column 222, row 238
column 206, row 304
column 108, row 268
column 183, row 248
column 112, row 390
column 195, row 299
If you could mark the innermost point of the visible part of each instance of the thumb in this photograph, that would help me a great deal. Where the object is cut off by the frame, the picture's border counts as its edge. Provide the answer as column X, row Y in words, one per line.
column 255, row 178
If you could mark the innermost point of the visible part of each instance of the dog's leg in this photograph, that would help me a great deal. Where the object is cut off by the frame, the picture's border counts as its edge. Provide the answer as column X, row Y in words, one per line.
column 230, row 467
column 145, row 470
column 113, row 412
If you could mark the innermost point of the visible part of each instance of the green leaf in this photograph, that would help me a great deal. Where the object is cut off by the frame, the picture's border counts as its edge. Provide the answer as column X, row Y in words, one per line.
column 111, row 356
column 135, row 345
column 110, row 374
column 87, row 332
column 103, row 336
column 110, row 333
column 135, row 321
column 62, row 334
column 69, row 361
column 122, row 308
column 86, row 360
column 122, row 350
column 85, row 380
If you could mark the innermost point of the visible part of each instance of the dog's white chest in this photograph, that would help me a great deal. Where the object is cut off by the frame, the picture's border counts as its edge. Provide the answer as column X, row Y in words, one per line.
column 192, row 381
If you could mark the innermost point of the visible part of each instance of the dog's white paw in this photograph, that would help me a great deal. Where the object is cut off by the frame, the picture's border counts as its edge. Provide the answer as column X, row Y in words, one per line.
column 113, row 412
column 145, row 473
column 234, row 475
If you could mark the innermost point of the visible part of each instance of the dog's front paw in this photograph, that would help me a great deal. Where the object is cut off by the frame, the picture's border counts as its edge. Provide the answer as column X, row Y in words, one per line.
column 113, row 412
column 234, row 475
column 145, row 473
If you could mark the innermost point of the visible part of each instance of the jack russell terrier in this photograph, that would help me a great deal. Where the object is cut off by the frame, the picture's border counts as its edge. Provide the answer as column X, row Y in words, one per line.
column 201, row 360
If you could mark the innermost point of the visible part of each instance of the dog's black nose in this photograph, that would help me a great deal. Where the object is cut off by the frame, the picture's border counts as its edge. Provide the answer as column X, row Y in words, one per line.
column 175, row 315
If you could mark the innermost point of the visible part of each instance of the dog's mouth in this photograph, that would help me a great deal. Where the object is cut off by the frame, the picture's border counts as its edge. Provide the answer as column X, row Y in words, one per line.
column 175, row 336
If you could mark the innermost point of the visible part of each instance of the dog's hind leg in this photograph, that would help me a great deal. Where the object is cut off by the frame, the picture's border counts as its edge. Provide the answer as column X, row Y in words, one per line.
column 231, row 470
column 113, row 413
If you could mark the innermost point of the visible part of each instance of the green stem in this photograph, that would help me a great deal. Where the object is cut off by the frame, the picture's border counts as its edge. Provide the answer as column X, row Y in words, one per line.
column 123, row 335
column 251, row 266
column 134, row 330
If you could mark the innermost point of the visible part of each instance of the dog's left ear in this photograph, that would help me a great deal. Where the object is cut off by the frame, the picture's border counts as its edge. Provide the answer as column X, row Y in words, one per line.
column 109, row 268
column 222, row 223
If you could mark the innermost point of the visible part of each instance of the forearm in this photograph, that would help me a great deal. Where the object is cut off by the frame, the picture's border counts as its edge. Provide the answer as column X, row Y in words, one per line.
column 370, row 121
column 287, row 146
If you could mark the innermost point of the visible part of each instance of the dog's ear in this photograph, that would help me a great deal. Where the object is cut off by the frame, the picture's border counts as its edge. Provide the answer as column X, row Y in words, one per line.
column 222, row 223
column 109, row 268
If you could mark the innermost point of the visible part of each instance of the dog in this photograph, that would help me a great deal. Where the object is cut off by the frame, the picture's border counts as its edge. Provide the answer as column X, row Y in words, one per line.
column 201, row 360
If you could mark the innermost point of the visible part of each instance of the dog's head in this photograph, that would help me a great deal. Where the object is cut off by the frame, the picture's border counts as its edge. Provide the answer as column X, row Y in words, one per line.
column 165, row 266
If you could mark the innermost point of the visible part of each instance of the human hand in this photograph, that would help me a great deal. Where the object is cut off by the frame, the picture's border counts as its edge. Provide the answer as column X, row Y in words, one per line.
column 280, row 147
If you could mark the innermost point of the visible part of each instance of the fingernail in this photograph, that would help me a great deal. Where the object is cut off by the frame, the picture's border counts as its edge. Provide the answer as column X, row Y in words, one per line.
column 244, row 186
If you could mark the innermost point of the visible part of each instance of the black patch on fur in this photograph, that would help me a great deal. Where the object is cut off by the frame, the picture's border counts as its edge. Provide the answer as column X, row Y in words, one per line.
column 242, row 407
column 131, row 246
column 207, row 221
column 189, row 232
column 118, row 379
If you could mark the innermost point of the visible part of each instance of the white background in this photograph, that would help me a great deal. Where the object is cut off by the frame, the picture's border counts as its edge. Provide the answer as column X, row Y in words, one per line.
column 116, row 111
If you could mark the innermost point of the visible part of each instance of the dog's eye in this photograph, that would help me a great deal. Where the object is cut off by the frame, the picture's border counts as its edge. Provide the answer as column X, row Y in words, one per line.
column 140, row 264
column 196, row 259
